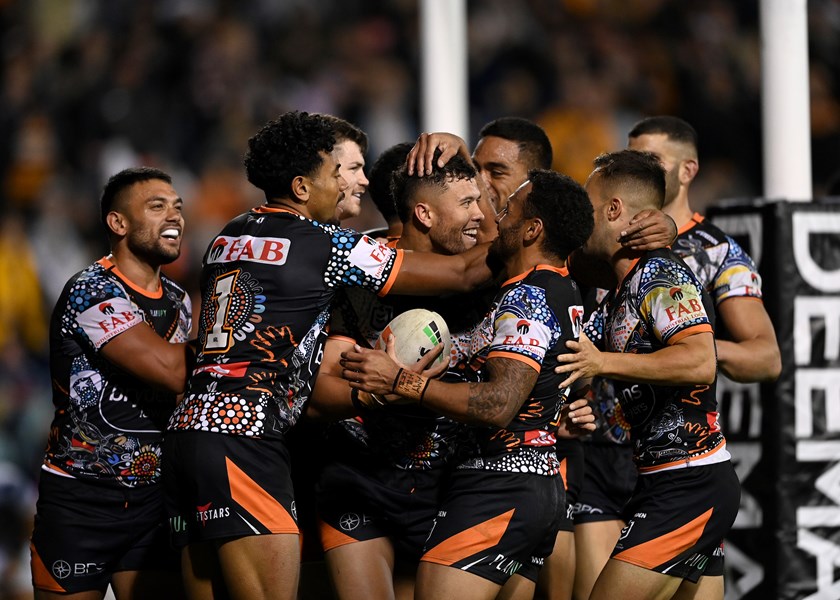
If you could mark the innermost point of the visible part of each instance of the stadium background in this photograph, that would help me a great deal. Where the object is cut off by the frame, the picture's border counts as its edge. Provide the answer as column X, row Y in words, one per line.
column 88, row 88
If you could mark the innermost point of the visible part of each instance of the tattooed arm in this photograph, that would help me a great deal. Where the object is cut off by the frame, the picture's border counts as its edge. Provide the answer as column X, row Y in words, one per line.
column 491, row 402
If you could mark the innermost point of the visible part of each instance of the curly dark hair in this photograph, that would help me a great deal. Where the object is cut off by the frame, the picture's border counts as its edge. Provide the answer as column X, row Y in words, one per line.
column 123, row 180
column 285, row 148
column 380, row 178
column 639, row 174
column 404, row 187
column 564, row 208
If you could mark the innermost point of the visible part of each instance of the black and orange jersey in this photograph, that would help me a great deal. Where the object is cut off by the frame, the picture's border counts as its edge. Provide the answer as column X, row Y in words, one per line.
column 267, row 282
column 723, row 269
column 658, row 303
column 532, row 318
column 405, row 436
column 718, row 262
column 108, row 424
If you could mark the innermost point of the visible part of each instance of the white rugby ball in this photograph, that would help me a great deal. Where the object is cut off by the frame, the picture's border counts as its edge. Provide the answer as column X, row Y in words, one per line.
column 417, row 332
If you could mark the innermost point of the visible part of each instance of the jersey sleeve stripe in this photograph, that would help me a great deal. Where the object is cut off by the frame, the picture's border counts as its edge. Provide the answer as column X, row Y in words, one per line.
column 392, row 276
column 514, row 356
column 702, row 328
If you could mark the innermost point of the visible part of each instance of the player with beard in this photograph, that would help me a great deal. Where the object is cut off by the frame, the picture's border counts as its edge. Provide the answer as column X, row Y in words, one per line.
column 507, row 149
column 268, row 280
column 500, row 508
column 118, row 361
column 385, row 464
column 746, row 342
column 652, row 339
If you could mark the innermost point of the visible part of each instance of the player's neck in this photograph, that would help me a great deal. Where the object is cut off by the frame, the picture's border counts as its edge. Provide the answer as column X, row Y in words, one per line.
column 411, row 239
column 622, row 261
column 527, row 259
column 137, row 271
column 679, row 209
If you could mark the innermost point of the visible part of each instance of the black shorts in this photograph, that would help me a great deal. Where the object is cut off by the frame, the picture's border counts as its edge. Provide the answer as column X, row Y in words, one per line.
column 84, row 532
column 494, row 524
column 677, row 519
column 358, row 503
column 226, row 486
column 608, row 480
column 570, row 454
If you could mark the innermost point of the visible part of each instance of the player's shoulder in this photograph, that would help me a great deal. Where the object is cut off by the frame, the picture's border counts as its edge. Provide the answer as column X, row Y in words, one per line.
column 707, row 230
column 661, row 265
column 170, row 286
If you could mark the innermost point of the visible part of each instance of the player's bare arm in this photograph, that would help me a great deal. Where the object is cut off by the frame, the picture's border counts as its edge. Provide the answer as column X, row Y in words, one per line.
column 752, row 353
column 145, row 355
column 330, row 399
column 493, row 402
column 496, row 401
column 689, row 360
column 425, row 274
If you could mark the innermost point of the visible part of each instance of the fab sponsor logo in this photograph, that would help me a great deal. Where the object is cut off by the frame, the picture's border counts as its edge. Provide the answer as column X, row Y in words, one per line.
column 266, row 250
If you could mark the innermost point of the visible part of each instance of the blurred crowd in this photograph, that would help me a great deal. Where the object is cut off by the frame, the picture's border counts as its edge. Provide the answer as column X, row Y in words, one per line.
column 88, row 88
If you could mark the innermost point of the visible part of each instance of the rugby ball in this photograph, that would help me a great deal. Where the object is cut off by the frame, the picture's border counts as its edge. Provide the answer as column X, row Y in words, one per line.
column 417, row 332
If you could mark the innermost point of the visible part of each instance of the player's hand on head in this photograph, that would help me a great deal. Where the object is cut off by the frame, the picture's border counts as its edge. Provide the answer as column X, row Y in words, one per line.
column 649, row 230
column 584, row 360
column 420, row 157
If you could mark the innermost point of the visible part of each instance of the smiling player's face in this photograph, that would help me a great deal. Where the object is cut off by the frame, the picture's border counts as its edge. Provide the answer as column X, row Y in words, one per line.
column 326, row 188
column 153, row 219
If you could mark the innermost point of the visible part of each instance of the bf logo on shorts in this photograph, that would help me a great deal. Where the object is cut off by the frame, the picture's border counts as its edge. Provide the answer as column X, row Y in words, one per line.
column 61, row 569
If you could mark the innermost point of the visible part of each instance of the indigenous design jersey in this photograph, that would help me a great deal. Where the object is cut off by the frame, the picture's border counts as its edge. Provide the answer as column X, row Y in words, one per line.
column 108, row 425
column 658, row 303
column 720, row 264
column 532, row 318
column 405, row 436
column 266, row 285
column 723, row 269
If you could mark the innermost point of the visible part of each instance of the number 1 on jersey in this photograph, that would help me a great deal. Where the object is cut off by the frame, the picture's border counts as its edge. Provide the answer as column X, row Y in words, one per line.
column 219, row 335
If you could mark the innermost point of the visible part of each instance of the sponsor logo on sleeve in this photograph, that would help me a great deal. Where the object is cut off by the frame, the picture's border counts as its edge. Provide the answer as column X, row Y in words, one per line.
column 370, row 256
column 576, row 318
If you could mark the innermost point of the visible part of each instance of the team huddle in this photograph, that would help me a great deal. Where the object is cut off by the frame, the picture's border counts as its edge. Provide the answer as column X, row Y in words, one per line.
column 566, row 446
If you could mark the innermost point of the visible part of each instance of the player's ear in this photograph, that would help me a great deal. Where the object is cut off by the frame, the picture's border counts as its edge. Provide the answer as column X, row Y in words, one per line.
column 533, row 229
column 615, row 207
column 301, row 188
column 688, row 170
column 117, row 222
column 423, row 213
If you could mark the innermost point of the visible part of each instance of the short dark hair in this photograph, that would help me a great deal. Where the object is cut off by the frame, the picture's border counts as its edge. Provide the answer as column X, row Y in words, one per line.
column 534, row 144
column 123, row 180
column 404, row 187
column 380, row 178
column 673, row 127
column 639, row 173
column 344, row 130
column 285, row 148
column 564, row 208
